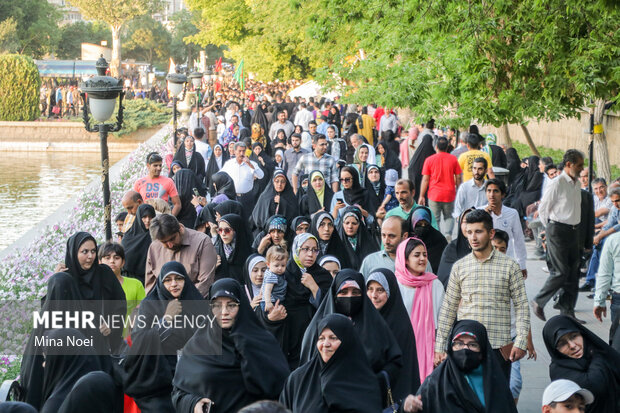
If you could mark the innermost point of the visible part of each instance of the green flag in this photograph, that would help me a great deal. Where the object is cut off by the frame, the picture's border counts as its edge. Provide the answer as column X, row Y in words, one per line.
column 239, row 76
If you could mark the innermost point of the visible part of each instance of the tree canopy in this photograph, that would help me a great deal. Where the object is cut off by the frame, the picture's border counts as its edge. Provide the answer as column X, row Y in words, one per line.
column 73, row 35
column 29, row 27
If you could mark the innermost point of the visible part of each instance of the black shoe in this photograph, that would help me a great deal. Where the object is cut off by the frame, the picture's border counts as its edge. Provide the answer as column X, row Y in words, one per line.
column 590, row 296
column 572, row 315
column 586, row 287
column 538, row 310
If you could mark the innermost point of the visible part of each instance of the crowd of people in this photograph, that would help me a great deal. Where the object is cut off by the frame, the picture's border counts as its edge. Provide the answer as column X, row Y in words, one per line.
column 352, row 264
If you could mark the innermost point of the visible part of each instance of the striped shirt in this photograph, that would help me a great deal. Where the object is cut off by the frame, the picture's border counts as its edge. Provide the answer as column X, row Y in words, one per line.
column 482, row 291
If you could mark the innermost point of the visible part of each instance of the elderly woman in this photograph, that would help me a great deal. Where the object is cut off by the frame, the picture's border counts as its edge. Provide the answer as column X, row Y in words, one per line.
column 358, row 242
column 251, row 365
column 232, row 246
column 579, row 355
column 338, row 377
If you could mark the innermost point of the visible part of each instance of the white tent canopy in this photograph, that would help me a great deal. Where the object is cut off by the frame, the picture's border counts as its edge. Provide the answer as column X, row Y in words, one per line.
column 311, row 89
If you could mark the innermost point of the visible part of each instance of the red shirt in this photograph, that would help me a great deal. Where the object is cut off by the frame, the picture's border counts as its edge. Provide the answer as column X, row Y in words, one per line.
column 441, row 169
column 160, row 187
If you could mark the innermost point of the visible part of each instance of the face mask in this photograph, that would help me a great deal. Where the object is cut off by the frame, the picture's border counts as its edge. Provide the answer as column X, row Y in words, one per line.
column 467, row 360
column 348, row 306
column 421, row 231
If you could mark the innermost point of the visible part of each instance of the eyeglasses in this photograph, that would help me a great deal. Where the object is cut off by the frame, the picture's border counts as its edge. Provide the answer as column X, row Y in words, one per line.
column 224, row 230
column 178, row 279
column 217, row 307
column 459, row 345
column 345, row 180
column 310, row 250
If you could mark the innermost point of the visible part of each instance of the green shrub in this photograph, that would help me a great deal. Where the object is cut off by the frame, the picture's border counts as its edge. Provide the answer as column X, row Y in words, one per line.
column 142, row 113
column 20, row 84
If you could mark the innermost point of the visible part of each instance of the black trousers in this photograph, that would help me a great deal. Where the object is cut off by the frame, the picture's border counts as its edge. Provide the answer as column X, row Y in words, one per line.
column 504, row 364
column 563, row 263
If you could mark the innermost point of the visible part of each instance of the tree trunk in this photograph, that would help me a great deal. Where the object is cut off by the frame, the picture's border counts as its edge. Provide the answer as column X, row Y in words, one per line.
column 506, row 135
column 601, row 153
column 115, row 64
column 528, row 138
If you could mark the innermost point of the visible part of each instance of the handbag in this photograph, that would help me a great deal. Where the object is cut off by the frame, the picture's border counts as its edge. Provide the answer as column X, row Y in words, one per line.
column 56, row 109
column 392, row 406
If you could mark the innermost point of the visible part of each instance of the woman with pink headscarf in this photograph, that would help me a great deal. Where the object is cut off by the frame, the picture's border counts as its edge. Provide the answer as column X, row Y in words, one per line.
column 422, row 294
column 406, row 144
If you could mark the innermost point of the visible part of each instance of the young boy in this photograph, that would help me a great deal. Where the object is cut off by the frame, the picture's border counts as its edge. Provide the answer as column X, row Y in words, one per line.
column 274, row 283
column 565, row 396
column 500, row 240
column 112, row 254
column 390, row 201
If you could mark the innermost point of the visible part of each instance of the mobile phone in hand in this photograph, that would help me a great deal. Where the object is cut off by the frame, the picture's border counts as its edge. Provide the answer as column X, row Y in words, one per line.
column 206, row 408
column 195, row 192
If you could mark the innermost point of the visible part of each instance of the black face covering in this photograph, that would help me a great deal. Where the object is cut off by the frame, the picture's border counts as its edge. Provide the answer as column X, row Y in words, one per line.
column 348, row 306
column 467, row 360
column 421, row 231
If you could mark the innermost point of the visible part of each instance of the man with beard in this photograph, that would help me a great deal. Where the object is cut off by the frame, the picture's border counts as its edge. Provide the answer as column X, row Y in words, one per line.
column 393, row 231
column 472, row 193
column 173, row 242
column 292, row 155
column 405, row 194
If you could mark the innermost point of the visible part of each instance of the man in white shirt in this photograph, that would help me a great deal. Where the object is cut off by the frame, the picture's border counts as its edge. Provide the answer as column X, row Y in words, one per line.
column 303, row 116
column 560, row 212
column 602, row 203
column 282, row 123
column 506, row 219
column 243, row 171
column 472, row 193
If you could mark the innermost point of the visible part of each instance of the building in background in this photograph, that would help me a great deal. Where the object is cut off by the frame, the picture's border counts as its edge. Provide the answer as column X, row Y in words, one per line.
column 170, row 7
column 70, row 14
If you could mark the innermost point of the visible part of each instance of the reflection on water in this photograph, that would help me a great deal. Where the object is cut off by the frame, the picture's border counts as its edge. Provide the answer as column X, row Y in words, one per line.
column 34, row 184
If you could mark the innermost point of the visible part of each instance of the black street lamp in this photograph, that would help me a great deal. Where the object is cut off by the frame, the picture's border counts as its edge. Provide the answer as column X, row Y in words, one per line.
column 196, row 78
column 99, row 94
column 176, row 83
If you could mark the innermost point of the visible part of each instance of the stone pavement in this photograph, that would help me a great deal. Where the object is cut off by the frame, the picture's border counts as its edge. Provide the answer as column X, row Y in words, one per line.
column 536, row 373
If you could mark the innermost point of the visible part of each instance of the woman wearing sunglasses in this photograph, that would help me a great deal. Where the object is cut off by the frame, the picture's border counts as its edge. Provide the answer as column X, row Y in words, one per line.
column 352, row 194
column 232, row 246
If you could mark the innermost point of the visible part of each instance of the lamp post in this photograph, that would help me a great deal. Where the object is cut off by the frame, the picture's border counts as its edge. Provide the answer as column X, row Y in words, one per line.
column 176, row 83
column 99, row 95
column 196, row 78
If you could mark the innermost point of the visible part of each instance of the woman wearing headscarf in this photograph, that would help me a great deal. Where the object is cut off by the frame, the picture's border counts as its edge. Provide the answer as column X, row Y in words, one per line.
column 516, row 177
column 352, row 194
column 454, row 251
column 407, row 145
column 333, row 118
column 338, row 377
column 423, row 151
column 470, row 379
column 387, row 159
column 152, row 358
column 421, row 226
column 251, row 365
column 265, row 163
column 375, row 186
column 579, row 355
column 361, row 161
column 324, row 229
column 533, row 186
column 260, row 117
column 497, row 154
column 187, row 183
column 275, row 232
column 222, row 183
column 307, row 283
column 422, row 295
column 95, row 390
column 258, row 136
column 280, row 161
column 277, row 199
column 358, row 241
column 253, row 275
column 232, row 246
column 280, row 140
column 212, row 212
column 317, row 197
column 189, row 158
column 65, row 364
column 217, row 160
column 300, row 225
column 384, row 293
column 347, row 296
column 136, row 243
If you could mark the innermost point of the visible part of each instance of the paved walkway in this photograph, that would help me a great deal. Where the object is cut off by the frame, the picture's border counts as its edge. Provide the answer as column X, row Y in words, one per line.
column 536, row 373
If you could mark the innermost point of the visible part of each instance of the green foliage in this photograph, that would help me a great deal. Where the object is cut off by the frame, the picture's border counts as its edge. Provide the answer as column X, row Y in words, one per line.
column 9, row 41
column 142, row 113
column 114, row 12
column 36, row 29
column 73, row 35
column 19, row 88
column 183, row 27
column 147, row 40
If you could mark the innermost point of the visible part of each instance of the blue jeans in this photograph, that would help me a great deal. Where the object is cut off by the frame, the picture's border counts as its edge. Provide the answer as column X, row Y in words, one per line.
column 595, row 259
column 516, row 381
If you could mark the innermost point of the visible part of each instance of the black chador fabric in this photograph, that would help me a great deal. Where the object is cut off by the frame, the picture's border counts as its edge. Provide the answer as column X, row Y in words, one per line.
column 152, row 358
column 222, row 183
column 390, row 158
column 211, row 211
column 268, row 168
column 266, row 207
column 364, row 242
column 94, row 392
column 356, row 194
column 288, row 234
column 297, row 221
column 532, row 187
column 251, row 365
column 395, row 315
column 514, row 165
column 345, row 383
column 16, row 407
column 213, row 167
column 455, row 250
column 433, row 239
column 260, row 117
column 423, row 151
column 196, row 162
column 299, row 310
column 376, row 190
column 64, row 366
column 334, row 246
column 232, row 266
column 309, row 203
column 136, row 243
column 598, row 370
column 447, row 388
column 379, row 343
column 186, row 182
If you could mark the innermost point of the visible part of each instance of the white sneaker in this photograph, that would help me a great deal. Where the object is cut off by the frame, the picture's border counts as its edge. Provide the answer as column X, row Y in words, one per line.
column 545, row 269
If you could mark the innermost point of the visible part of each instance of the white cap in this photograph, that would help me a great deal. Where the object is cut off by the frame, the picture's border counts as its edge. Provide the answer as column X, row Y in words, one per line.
column 562, row 390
